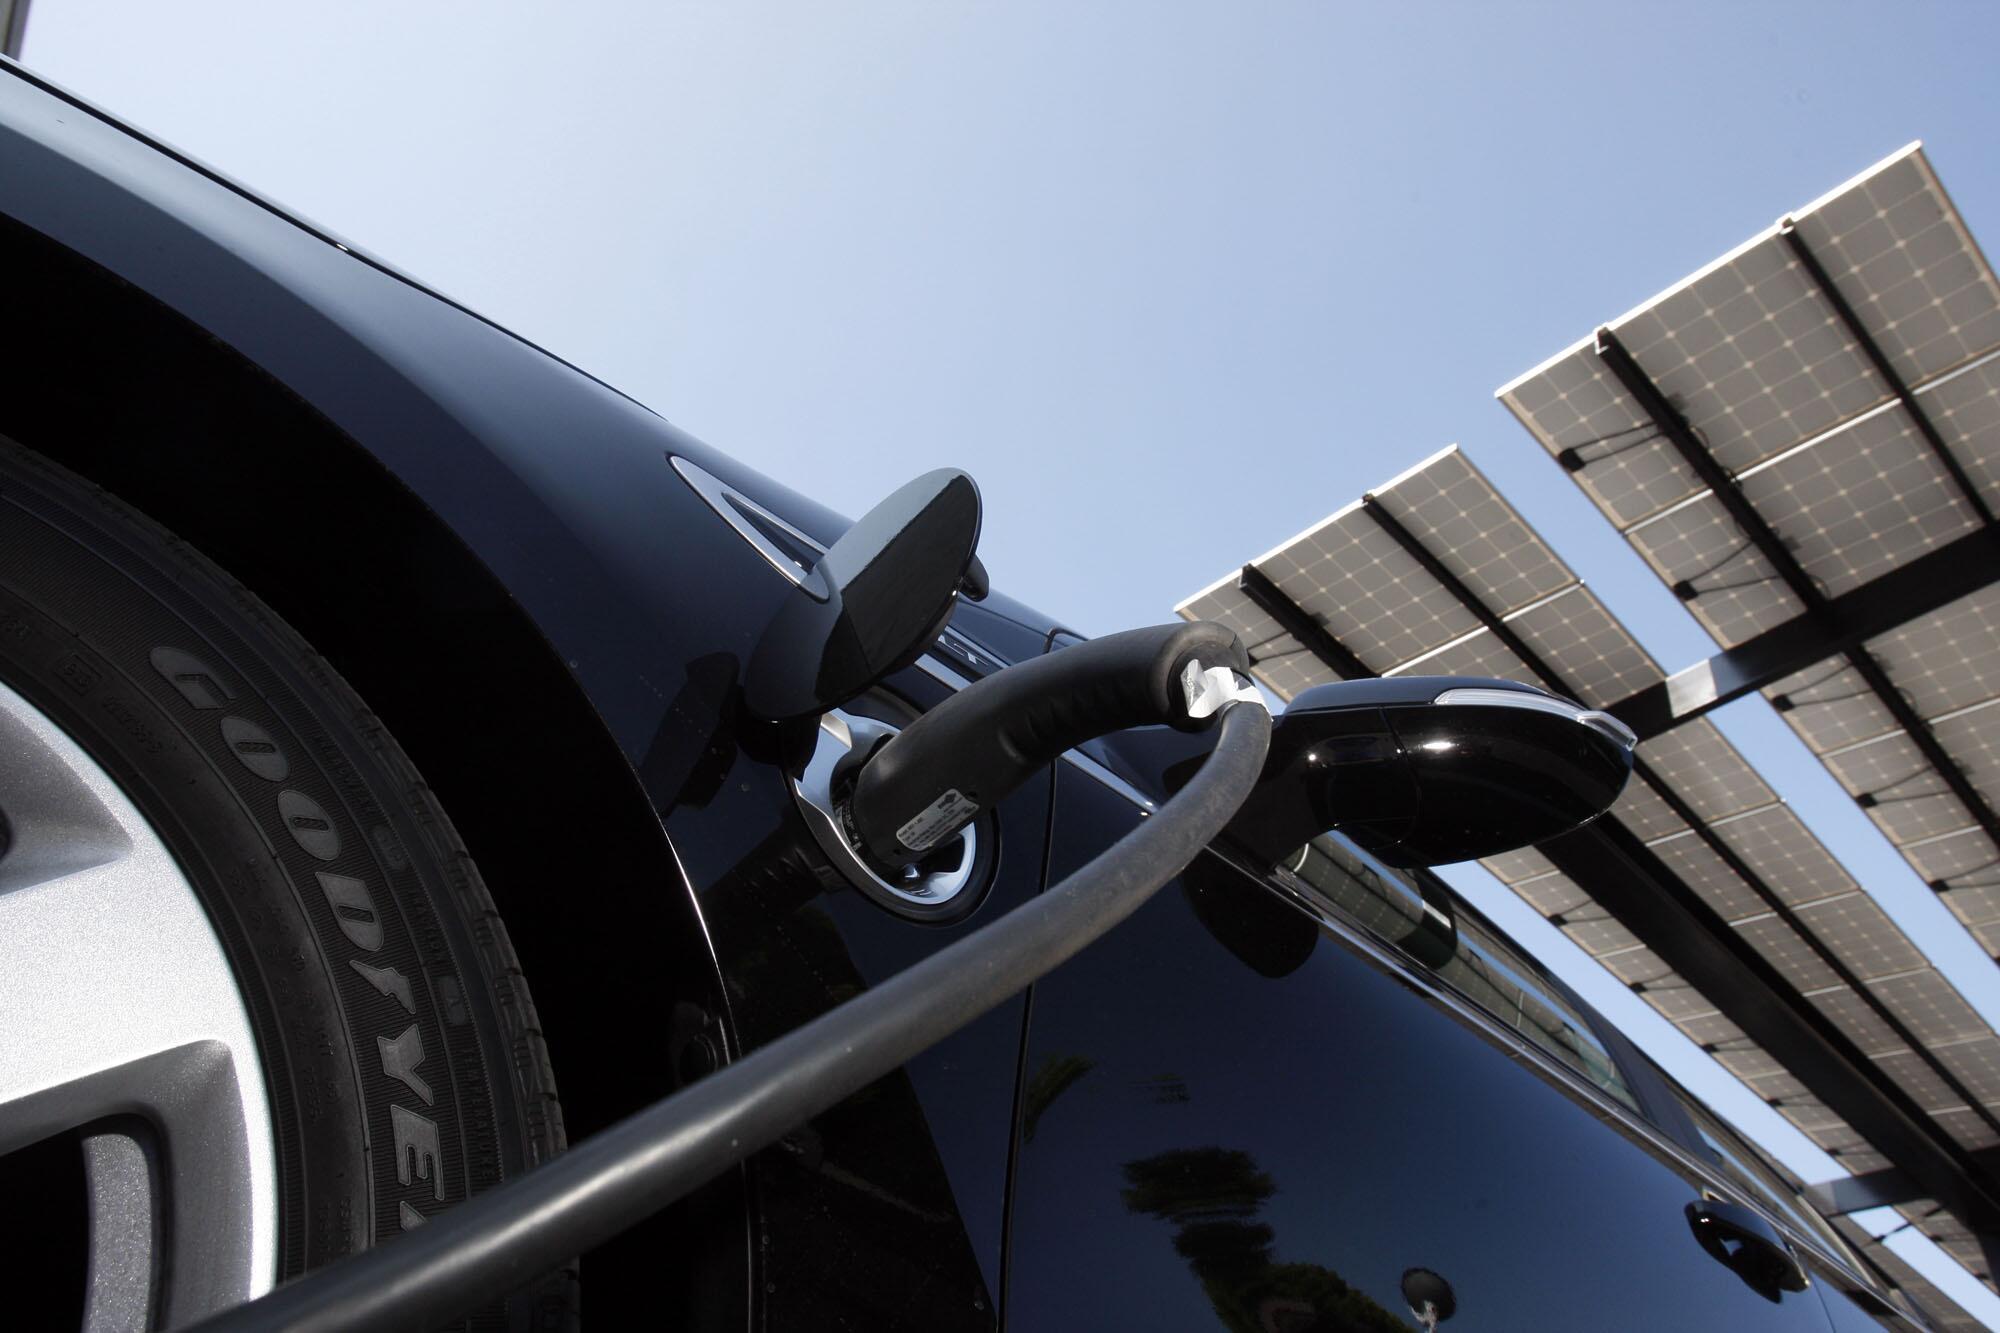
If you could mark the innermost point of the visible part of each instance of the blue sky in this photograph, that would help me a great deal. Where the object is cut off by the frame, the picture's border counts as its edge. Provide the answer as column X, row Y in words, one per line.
column 1171, row 280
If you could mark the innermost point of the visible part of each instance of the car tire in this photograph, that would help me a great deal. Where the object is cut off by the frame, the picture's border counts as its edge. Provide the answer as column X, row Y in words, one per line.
column 402, row 1063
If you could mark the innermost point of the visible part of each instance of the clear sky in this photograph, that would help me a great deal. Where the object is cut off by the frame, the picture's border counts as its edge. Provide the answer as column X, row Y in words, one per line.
column 1171, row 280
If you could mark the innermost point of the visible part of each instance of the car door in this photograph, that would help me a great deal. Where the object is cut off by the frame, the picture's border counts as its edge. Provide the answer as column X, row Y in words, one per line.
column 1243, row 1114
column 886, row 1211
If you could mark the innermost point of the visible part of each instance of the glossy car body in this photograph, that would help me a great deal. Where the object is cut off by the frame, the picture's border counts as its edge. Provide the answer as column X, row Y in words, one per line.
column 1266, row 1101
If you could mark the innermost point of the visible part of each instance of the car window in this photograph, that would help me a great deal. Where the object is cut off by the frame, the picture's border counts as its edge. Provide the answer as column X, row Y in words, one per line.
column 1479, row 964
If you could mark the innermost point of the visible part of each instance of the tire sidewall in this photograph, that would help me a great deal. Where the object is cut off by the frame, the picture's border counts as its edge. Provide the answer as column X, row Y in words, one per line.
column 388, row 1016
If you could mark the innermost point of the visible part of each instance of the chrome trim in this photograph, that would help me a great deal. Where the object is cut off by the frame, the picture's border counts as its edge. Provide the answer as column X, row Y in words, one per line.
column 921, row 894
column 1078, row 760
column 941, row 673
column 1487, row 697
column 729, row 503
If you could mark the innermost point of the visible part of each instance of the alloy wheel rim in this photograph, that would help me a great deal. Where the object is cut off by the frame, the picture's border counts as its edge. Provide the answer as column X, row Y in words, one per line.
column 124, row 1021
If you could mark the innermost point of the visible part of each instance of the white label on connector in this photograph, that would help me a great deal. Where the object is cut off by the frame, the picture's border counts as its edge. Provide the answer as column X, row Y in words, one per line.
column 1208, row 691
column 947, row 814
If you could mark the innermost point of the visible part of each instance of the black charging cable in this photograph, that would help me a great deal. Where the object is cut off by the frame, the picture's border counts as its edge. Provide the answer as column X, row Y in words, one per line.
column 506, row 1237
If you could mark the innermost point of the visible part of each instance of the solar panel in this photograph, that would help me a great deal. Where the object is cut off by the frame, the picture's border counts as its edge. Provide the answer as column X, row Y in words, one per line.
column 1856, row 929
column 1829, row 705
column 1776, row 845
column 1943, row 661
column 1595, row 654
column 1965, row 406
column 1707, row 771
column 1944, row 1313
column 1857, row 1020
column 1760, row 363
column 1977, row 1064
column 1929, row 297
column 1697, row 549
column 1751, row 357
column 1861, row 500
column 1709, row 876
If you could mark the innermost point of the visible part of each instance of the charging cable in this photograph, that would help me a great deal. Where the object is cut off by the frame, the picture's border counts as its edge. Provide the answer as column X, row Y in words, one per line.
column 502, row 1239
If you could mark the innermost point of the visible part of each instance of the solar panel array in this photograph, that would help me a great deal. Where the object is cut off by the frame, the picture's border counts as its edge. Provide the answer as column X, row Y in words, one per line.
column 1945, row 1314
column 1757, row 358
column 1382, row 605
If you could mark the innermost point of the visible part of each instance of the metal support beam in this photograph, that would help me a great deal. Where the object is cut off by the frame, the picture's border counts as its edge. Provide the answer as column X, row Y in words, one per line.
column 1761, row 535
column 1255, row 584
column 13, row 27
column 1875, row 1189
column 1873, row 351
column 1928, row 583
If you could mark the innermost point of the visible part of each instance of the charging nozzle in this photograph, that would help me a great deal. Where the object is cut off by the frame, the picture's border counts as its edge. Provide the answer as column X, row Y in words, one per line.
column 977, row 746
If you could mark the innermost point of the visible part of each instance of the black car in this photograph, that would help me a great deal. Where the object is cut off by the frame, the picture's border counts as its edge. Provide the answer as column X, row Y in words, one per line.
column 317, row 589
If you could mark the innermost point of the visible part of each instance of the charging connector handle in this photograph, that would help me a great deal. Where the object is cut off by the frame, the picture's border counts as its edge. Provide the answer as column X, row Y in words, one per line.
column 977, row 746
column 497, row 1241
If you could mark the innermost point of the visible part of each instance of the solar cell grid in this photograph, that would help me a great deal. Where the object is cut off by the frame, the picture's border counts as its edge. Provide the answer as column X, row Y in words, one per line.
column 1857, row 503
column 1893, row 242
column 1776, row 1087
column 1944, row 1314
column 1553, row 895
column 1711, row 879
column 1861, row 936
column 1969, row 737
column 1829, row 706
column 1967, row 1129
column 1785, row 950
column 1965, row 408
column 1477, row 654
column 1953, row 856
column 1944, row 661
column 1809, row 1114
column 1462, row 520
column 1738, row 592
column 1749, row 1062
column 1976, row 904
column 1712, row 1029
column 1860, row 1161
column 1921, row 1082
column 1841, row 1140
column 1640, row 809
column 1676, row 1001
column 1906, row 798
column 1976, row 1064
column 1752, row 357
column 1930, row 1007
column 1858, row 1020
column 1512, row 867
column 1785, row 855
column 1368, row 593
column 1706, row 771
column 1599, row 936
column 1641, row 967
column 1597, row 657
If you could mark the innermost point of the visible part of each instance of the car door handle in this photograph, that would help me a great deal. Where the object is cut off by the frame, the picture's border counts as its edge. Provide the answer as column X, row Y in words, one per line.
column 1747, row 1246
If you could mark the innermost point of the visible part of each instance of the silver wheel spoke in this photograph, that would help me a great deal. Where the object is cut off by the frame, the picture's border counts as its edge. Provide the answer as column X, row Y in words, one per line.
column 119, row 1002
